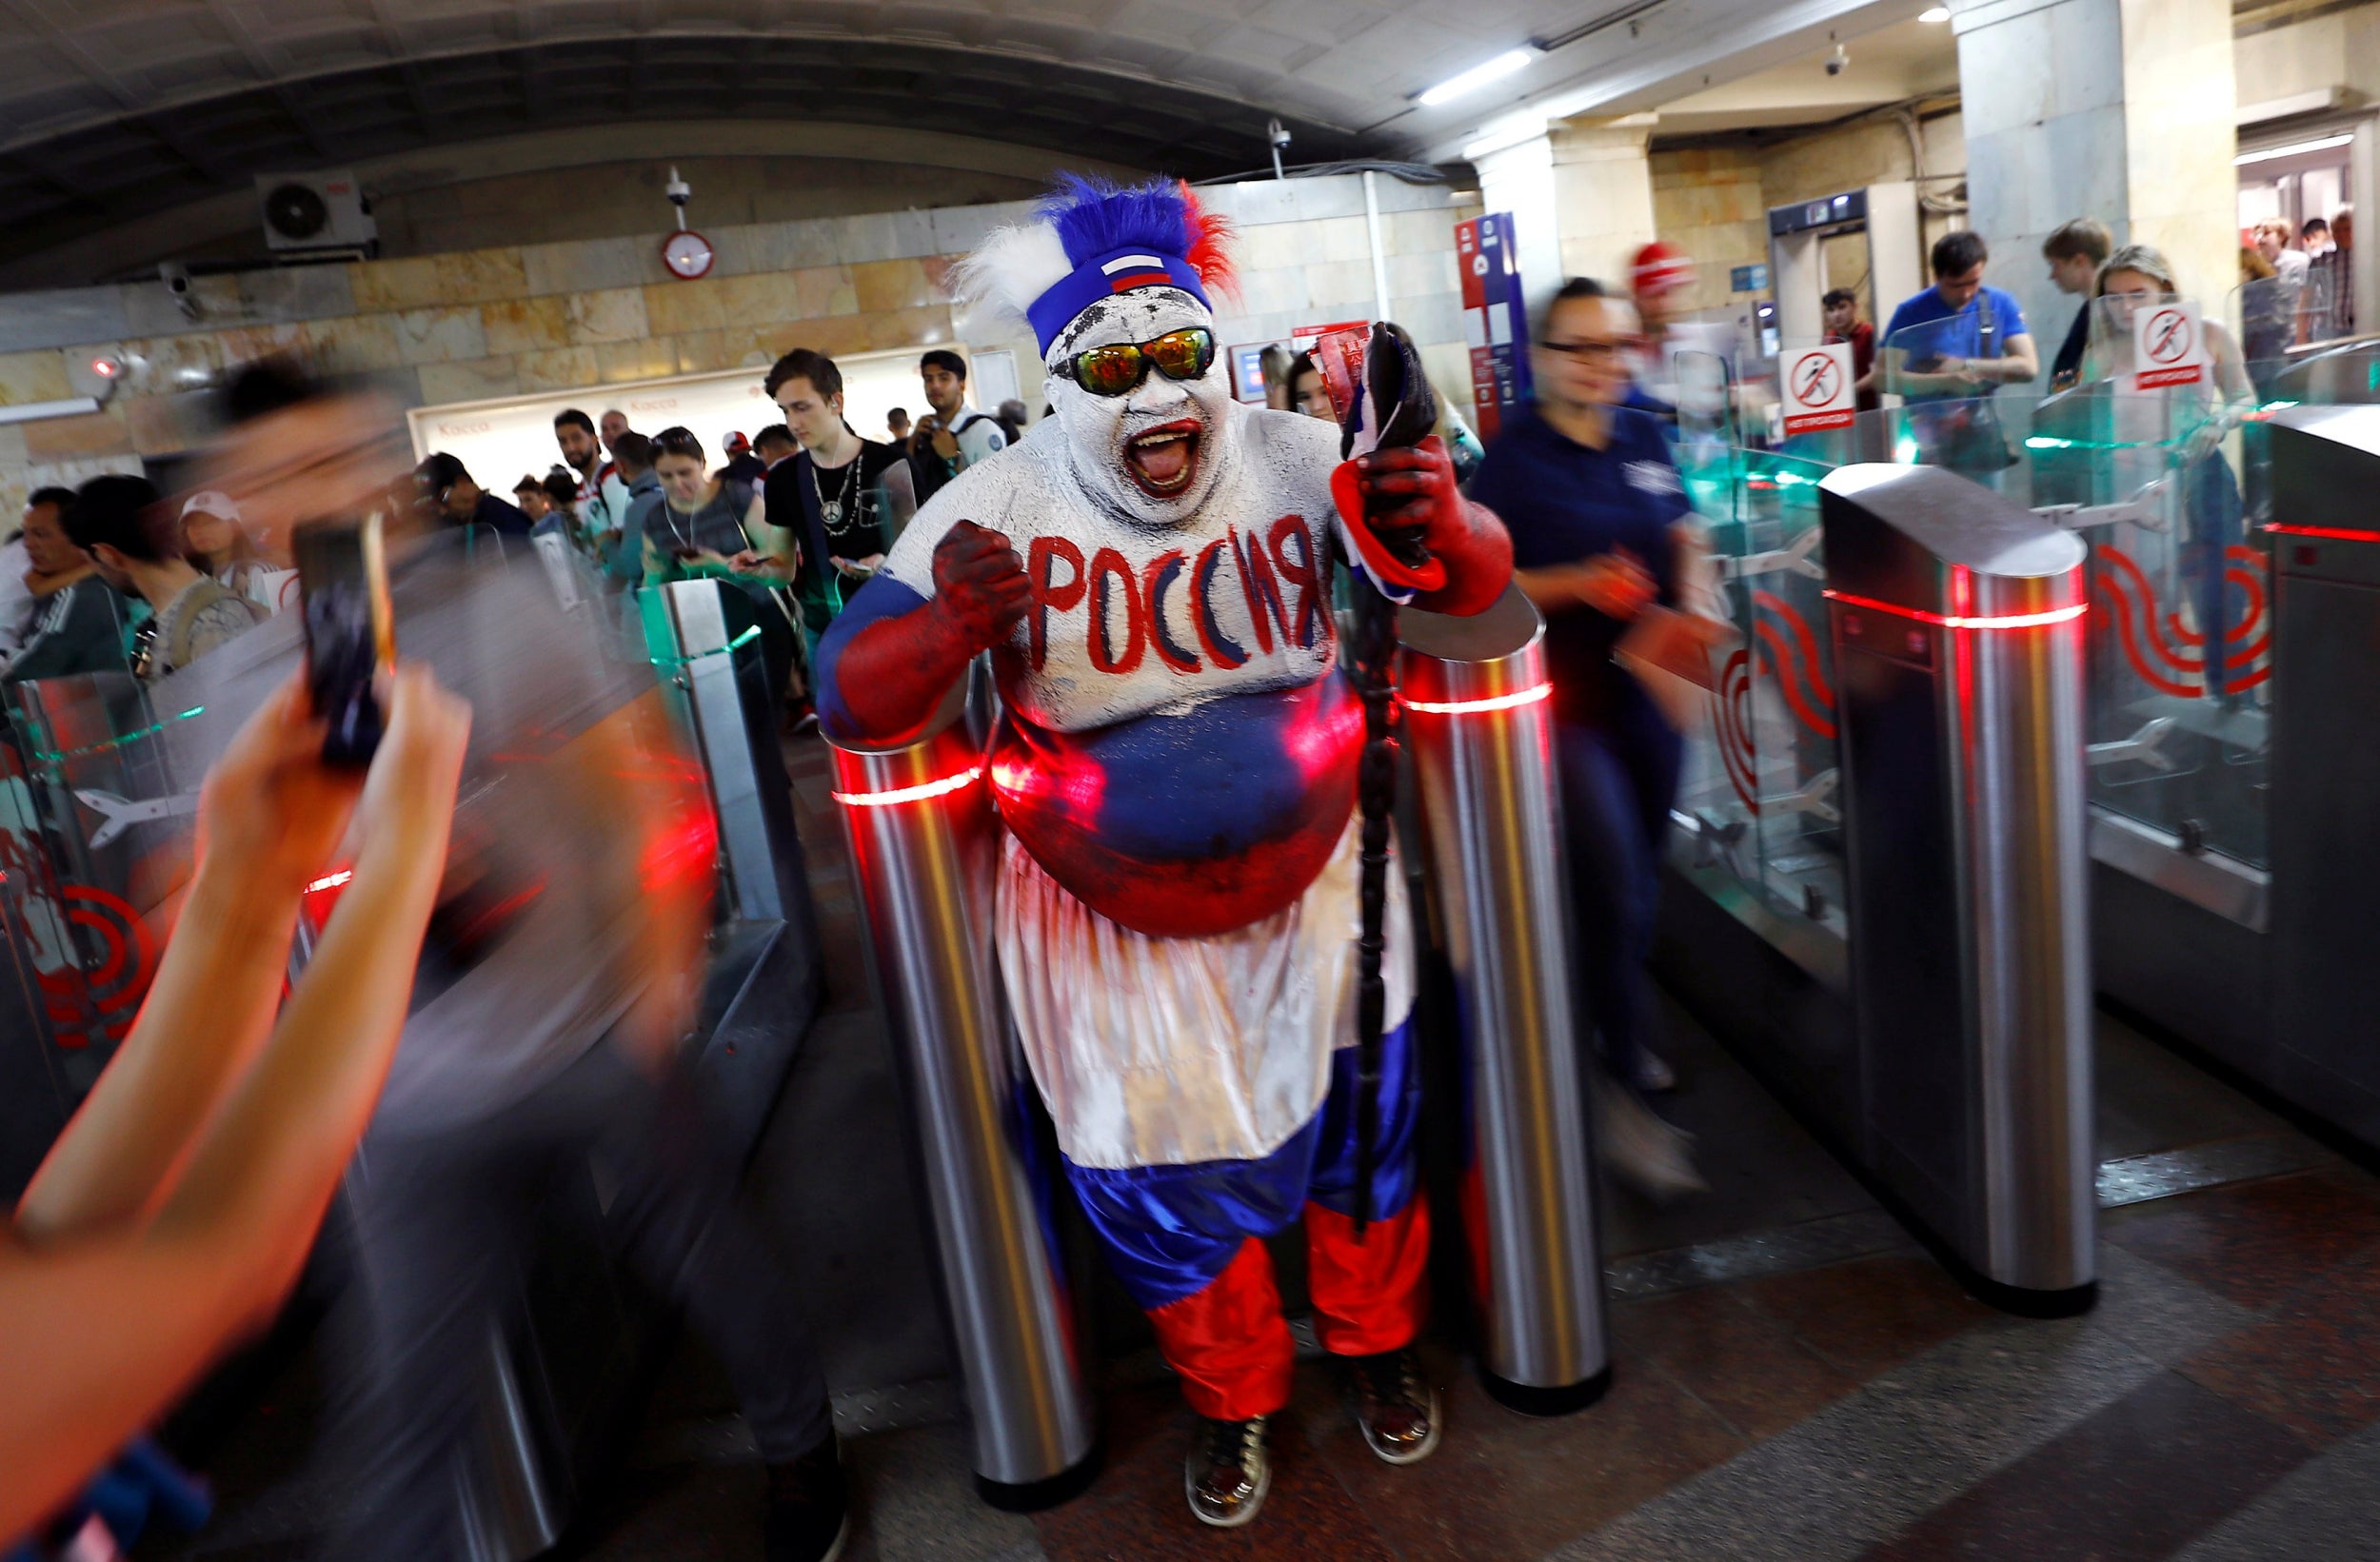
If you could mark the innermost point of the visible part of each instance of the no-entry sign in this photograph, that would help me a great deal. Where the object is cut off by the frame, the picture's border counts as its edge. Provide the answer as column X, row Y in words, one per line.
column 1818, row 388
column 2169, row 347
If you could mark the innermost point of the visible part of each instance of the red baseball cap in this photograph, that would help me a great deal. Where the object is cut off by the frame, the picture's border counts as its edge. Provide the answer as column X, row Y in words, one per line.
column 1659, row 268
column 737, row 444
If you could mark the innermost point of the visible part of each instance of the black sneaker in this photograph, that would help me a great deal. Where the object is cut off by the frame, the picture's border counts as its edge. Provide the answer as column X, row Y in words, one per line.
column 809, row 1507
column 1395, row 1405
column 1228, row 1472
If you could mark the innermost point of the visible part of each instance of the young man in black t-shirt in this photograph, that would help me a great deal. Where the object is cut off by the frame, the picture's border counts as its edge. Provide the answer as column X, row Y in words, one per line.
column 844, row 498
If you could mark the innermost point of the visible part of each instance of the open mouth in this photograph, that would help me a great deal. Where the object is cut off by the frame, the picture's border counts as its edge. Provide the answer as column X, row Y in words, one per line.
column 1162, row 460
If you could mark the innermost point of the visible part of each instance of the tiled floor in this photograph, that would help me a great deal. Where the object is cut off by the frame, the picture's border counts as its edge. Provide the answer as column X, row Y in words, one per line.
column 1793, row 1379
column 1859, row 1409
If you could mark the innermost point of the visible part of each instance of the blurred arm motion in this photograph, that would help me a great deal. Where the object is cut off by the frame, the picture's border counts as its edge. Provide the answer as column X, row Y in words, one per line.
column 176, row 1209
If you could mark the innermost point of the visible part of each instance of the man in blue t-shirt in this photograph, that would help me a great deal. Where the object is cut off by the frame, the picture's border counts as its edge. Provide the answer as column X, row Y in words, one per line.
column 1958, row 339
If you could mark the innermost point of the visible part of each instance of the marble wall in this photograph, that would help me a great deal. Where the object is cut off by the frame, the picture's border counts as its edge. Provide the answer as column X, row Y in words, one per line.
column 486, row 324
column 1713, row 202
column 2118, row 109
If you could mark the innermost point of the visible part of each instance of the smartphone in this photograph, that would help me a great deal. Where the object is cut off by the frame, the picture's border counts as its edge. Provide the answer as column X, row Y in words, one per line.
column 351, row 631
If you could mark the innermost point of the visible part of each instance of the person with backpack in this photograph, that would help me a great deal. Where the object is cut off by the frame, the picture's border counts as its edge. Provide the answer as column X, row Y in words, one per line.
column 952, row 436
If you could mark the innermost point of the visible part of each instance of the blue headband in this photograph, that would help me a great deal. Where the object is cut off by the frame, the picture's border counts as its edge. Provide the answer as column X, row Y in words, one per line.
column 1104, row 276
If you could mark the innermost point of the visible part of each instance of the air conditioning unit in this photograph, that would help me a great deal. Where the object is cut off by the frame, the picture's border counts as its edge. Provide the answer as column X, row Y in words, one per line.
column 315, row 212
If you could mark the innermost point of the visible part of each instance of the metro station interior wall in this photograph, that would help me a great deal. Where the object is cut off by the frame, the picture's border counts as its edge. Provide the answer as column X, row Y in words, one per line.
column 607, row 199
column 2337, row 50
column 486, row 324
column 1712, row 200
column 2120, row 110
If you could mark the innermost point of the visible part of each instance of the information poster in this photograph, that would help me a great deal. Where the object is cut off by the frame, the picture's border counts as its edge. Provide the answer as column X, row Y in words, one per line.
column 1496, row 318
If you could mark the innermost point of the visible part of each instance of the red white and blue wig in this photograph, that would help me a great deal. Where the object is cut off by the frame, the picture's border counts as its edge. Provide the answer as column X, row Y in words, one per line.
column 1090, row 240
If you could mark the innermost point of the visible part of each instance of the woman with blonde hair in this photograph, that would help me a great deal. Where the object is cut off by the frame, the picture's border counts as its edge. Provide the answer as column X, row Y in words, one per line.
column 2195, row 422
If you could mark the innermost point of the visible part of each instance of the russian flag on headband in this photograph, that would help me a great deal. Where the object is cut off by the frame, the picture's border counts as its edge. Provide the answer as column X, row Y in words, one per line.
column 1117, row 272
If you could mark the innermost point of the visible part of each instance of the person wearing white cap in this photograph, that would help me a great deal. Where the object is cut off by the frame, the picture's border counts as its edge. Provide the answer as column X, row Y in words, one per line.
column 217, row 541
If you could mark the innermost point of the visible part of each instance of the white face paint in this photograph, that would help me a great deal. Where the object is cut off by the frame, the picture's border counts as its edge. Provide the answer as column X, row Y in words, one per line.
column 1155, row 455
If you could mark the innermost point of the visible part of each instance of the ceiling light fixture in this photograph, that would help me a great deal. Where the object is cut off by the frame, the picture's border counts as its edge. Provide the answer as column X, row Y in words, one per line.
column 2318, row 144
column 1937, row 15
column 1476, row 77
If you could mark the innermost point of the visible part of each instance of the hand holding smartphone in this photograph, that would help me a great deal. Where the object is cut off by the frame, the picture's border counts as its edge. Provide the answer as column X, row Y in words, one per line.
column 350, row 632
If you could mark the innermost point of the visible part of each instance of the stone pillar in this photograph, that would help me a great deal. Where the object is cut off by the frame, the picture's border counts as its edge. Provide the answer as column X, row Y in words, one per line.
column 2118, row 109
column 1580, row 193
column 1603, row 191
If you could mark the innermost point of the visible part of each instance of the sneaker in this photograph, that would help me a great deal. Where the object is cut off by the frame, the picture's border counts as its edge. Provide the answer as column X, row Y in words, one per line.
column 1228, row 1472
column 810, row 1506
column 1654, row 1076
column 1645, row 1151
column 1395, row 1405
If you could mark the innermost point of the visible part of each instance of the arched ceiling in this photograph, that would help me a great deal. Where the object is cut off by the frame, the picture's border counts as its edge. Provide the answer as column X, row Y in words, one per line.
column 113, row 110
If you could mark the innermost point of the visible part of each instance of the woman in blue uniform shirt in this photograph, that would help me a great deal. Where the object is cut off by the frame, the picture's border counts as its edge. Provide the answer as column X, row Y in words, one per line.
column 1598, row 521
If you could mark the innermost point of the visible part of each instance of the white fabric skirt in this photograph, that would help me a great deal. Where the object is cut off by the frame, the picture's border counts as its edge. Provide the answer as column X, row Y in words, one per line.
column 1167, row 1052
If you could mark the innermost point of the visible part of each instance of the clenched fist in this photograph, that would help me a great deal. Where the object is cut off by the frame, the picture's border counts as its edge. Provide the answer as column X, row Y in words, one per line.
column 979, row 585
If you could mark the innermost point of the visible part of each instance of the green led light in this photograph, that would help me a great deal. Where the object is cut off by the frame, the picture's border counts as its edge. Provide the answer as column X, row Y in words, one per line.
column 120, row 741
column 736, row 645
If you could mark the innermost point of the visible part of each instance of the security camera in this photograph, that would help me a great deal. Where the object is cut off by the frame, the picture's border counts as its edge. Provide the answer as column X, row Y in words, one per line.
column 176, row 277
column 1839, row 62
column 1275, row 132
column 678, row 191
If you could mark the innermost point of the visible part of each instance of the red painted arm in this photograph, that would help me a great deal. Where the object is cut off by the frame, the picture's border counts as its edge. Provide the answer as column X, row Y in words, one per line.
column 895, row 671
column 1414, row 485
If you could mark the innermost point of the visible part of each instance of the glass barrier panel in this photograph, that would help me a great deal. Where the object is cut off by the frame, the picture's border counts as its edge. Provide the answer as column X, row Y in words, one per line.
column 96, row 836
column 1708, row 440
column 1760, row 775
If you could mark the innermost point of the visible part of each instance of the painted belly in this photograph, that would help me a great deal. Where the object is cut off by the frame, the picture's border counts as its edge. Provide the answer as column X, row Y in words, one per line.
column 1191, row 824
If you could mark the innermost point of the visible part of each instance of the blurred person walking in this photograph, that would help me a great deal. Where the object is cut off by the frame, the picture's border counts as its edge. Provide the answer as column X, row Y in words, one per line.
column 531, row 498
column 2074, row 250
column 217, row 542
column 1841, row 308
column 2276, row 244
column 1601, row 540
column 172, row 1216
column 742, row 464
column 843, row 497
column 897, row 424
column 446, row 483
column 952, row 436
column 19, row 607
column 600, row 501
column 623, row 552
column 117, row 518
column 558, row 980
column 80, row 621
column 704, row 528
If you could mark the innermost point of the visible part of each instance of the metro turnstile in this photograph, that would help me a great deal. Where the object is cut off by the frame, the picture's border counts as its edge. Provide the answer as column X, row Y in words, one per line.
column 2268, row 967
column 1477, row 722
column 1943, row 1042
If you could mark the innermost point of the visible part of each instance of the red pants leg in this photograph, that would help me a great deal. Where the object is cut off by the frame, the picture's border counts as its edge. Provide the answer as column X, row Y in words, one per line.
column 1229, row 1342
column 1370, row 1293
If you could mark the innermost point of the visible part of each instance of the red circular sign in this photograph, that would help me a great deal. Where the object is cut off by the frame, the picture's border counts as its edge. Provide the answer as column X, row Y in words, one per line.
column 2168, row 337
column 1817, row 378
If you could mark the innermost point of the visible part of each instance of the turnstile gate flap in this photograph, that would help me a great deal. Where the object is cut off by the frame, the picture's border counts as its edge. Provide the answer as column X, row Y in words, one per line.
column 1920, row 537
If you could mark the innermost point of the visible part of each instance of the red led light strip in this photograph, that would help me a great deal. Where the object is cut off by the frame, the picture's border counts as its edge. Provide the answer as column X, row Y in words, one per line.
column 910, row 794
column 1493, row 702
column 2341, row 533
column 2002, row 621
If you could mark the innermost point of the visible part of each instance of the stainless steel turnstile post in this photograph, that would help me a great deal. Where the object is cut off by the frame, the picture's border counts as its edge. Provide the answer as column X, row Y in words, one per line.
column 1958, row 656
column 707, row 636
column 925, row 848
column 1481, row 729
